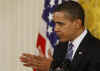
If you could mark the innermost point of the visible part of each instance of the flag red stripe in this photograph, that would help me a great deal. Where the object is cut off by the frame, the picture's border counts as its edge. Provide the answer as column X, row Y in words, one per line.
column 41, row 42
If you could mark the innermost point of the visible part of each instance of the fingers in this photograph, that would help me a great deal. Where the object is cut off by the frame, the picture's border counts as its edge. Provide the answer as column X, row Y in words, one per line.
column 33, row 65
column 39, row 62
column 40, row 52
column 30, row 60
column 27, row 54
column 26, row 57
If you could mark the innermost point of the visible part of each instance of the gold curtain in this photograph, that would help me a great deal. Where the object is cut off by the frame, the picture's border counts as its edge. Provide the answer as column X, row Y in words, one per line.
column 92, row 20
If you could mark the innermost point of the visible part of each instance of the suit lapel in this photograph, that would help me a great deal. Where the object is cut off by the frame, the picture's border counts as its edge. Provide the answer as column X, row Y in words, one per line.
column 80, row 52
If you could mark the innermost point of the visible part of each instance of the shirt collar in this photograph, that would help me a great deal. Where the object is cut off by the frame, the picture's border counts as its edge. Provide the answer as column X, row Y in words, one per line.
column 78, row 40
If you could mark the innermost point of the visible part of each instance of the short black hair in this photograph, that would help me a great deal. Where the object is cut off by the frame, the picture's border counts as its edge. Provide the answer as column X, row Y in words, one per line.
column 73, row 8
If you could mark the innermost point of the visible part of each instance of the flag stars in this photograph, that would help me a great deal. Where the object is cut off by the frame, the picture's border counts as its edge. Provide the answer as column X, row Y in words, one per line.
column 50, row 17
column 60, row 1
column 52, row 3
column 50, row 29
column 57, row 42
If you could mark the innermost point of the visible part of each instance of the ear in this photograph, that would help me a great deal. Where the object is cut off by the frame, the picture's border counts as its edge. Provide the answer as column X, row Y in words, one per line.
column 78, row 23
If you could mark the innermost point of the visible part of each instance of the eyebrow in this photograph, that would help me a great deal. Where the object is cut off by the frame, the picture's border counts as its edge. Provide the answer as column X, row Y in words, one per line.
column 59, row 22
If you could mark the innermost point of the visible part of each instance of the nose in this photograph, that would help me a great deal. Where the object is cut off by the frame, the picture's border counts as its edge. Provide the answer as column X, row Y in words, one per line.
column 57, row 27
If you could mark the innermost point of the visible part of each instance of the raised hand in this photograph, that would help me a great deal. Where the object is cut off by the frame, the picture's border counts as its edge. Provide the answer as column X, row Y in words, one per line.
column 41, row 62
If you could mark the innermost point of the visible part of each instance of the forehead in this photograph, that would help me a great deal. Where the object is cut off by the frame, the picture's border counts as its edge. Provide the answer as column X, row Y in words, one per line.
column 62, row 15
column 58, row 14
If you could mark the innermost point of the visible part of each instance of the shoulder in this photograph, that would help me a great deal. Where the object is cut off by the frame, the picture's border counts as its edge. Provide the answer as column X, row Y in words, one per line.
column 93, row 46
column 91, row 40
column 94, row 42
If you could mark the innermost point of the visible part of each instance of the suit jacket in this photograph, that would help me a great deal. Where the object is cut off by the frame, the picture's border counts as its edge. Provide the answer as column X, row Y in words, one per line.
column 86, row 58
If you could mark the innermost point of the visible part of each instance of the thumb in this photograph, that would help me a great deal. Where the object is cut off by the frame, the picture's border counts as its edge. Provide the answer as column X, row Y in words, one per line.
column 40, row 52
column 49, row 53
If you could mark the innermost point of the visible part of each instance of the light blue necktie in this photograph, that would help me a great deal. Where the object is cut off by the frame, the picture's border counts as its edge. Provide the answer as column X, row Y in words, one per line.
column 69, row 51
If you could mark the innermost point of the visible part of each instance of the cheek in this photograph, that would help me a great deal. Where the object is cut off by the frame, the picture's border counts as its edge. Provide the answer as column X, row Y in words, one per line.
column 67, row 32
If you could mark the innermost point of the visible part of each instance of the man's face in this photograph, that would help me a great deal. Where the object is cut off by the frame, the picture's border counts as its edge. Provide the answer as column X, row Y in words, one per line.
column 64, row 27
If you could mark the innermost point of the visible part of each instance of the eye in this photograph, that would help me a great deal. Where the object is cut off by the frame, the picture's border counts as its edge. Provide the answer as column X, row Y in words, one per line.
column 59, row 23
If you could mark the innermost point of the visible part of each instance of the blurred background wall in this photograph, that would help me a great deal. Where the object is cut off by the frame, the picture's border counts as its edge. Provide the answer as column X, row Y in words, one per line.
column 19, row 24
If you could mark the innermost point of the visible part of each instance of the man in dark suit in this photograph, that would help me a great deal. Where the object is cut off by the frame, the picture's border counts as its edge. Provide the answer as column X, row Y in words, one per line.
column 77, row 50
column 69, row 26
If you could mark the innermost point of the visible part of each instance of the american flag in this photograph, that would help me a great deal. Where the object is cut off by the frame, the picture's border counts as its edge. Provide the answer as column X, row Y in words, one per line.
column 47, row 37
column 47, row 17
column 47, row 28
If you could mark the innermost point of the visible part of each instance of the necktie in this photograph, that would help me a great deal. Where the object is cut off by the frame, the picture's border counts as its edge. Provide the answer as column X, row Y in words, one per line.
column 69, row 52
